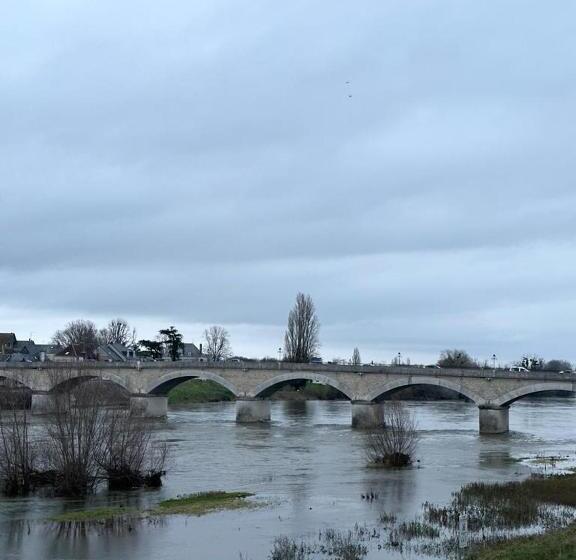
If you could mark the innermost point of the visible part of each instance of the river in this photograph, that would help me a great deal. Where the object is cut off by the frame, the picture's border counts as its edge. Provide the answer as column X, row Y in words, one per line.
column 308, row 466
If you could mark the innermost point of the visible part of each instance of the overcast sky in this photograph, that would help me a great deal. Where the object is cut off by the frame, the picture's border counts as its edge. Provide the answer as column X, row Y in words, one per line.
column 411, row 165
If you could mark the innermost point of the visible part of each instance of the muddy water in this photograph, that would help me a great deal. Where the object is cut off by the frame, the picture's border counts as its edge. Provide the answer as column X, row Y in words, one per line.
column 308, row 466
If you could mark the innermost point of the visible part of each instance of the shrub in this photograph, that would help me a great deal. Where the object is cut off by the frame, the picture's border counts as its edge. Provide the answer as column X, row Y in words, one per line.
column 393, row 445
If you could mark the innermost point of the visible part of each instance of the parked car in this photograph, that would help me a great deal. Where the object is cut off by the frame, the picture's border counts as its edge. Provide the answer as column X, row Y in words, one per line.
column 519, row 369
column 316, row 360
column 433, row 366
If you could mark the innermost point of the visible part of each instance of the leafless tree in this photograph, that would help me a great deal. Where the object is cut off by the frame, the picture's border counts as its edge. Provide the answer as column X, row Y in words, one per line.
column 356, row 360
column 456, row 359
column 132, row 459
column 118, row 331
column 17, row 453
column 82, row 441
column 81, row 335
column 76, row 427
column 393, row 445
column 301, row 339
column 217, row 343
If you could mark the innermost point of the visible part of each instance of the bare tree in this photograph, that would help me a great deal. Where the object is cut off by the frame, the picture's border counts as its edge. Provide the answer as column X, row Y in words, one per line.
column 80, row 335
column 131, row 459
column 217, row 343
column 118, row 331
column 17, row 455
column 301, row 339
column 76, row 429
column 394, row 445
column 356, row 360
column 82, row 442
column 456, row 359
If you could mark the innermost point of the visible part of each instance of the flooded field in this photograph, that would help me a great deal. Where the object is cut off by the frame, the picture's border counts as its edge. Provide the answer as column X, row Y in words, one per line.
column 308, row 472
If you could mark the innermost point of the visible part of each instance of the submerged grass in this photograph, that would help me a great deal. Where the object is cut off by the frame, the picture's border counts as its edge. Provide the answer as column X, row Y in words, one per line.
column 202, row 503
column 340, row 545
column 198, row 504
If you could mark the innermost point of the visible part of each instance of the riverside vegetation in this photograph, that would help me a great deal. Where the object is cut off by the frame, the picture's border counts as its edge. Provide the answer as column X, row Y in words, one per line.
column 198, row 390
column 197, row 504
column 483, row 522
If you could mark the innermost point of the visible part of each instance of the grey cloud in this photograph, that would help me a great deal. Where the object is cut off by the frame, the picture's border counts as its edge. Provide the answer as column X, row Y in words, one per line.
column 202, row 162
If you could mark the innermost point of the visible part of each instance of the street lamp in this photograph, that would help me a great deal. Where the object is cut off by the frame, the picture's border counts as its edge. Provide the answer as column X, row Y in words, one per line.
column 494, row 362
column 280, row 354
column 399, row 359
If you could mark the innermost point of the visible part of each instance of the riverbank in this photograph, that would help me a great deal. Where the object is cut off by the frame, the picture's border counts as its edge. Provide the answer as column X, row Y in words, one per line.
column 555, row 545
column 201, row 391
column 505, row 510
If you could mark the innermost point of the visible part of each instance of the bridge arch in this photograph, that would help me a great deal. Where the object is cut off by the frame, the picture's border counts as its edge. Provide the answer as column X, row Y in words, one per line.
column 512, row 396
column 398, row 384
column 302, row 375
column 6, row 380
column 164, row 383
column 75, row 380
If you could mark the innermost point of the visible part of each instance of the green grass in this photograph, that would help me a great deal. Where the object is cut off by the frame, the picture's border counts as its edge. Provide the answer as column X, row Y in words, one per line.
column 203, row 502
column 309, row 392
column 190, row 504
column 97, row 514
column 556, row 545
column 198, row 390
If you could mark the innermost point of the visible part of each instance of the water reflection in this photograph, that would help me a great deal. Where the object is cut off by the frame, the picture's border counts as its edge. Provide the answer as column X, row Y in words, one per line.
column 308, row 463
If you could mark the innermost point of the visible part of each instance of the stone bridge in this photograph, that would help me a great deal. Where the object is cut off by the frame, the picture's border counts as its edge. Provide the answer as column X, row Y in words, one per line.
column 148, row 383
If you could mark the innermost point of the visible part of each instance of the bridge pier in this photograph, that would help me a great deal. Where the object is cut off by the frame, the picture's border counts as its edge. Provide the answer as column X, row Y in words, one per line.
column 367, row 414
column 42, row 403
column 149, row 406
column 250, row 411
column 494, row 419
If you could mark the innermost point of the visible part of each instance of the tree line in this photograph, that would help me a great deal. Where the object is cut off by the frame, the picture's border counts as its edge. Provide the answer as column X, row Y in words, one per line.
column 84, row 338
column 301, row 342
column 461, row 359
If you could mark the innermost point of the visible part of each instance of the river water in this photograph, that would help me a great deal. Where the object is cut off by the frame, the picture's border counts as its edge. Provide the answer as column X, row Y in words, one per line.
column 308, row 467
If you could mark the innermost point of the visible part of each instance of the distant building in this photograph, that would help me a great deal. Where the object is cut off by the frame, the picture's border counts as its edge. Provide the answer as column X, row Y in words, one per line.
column 188, row 351
column 13, row 350
column 32, row 352
column 7, row 343
column 115, row 353
column 75, row 353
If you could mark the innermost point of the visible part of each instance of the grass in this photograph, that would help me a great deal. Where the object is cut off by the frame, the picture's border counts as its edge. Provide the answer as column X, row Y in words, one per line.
column 499, row 511
column 198, row 390
column 556, row 545
column 418, row 530
column 309, row 392
column 201, row 503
